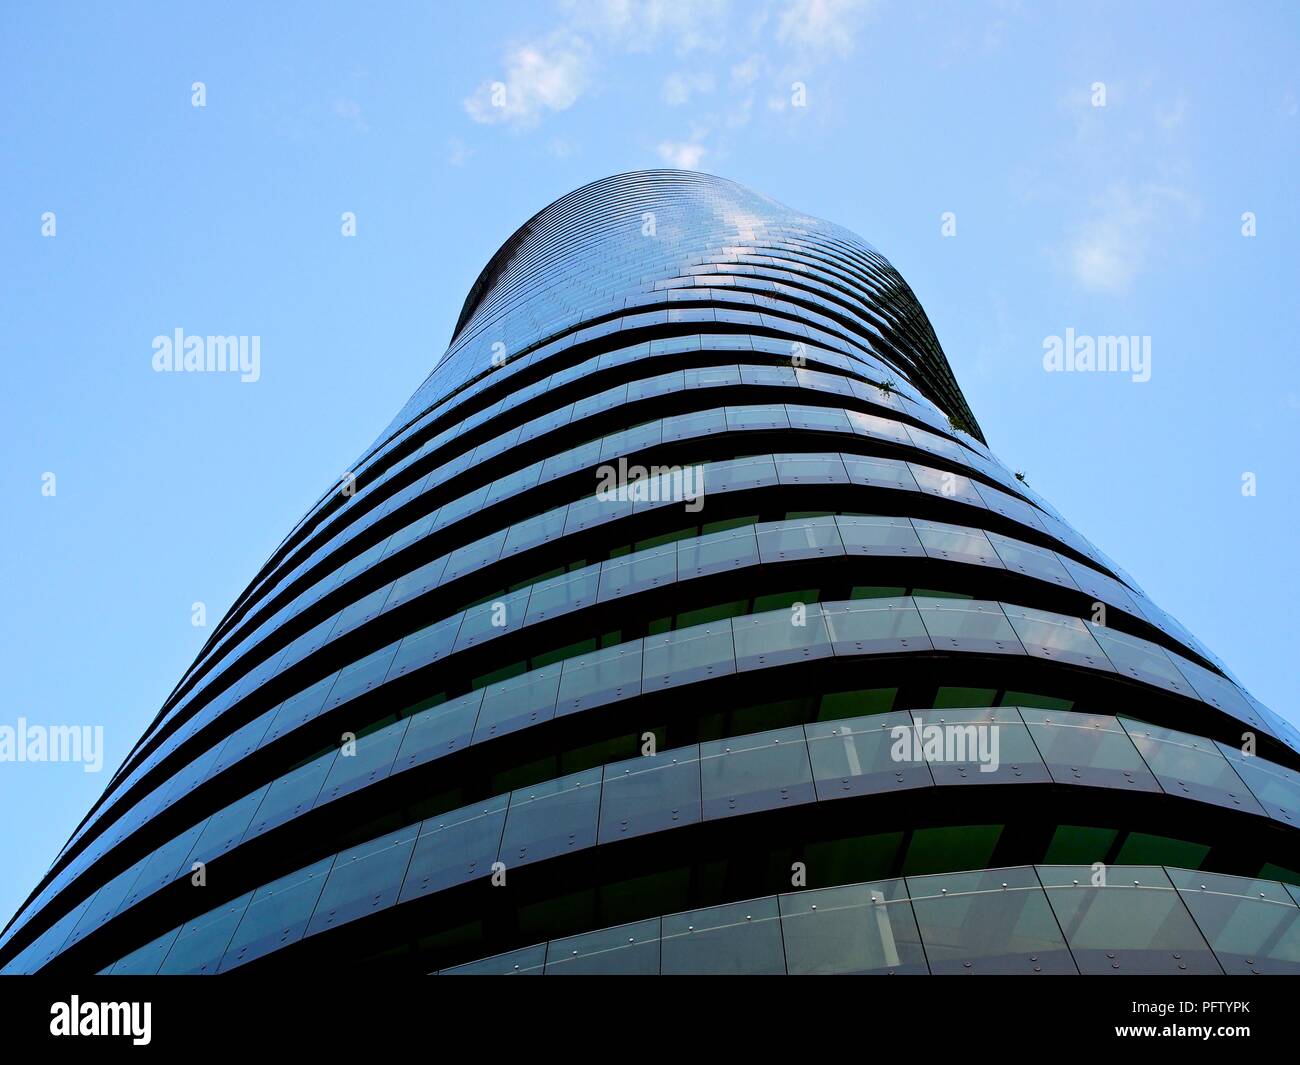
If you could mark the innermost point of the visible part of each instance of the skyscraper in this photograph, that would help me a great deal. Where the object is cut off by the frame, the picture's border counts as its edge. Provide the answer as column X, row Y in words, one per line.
column 683, row 621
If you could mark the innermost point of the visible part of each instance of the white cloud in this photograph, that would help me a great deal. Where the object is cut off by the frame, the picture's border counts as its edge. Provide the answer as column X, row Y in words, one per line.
column 823, row 25
column 681, row 155
column 746, row 71
column 458, row 152
column 640, row 25
column 350, row 111
column 679, row 88
column 544, row 76
column 1110, row 249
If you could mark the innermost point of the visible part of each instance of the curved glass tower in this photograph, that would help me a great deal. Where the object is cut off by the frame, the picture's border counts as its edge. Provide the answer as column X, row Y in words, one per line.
column 683, row 621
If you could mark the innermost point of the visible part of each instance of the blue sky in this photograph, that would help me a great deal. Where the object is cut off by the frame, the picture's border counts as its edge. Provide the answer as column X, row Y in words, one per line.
column 172, row 489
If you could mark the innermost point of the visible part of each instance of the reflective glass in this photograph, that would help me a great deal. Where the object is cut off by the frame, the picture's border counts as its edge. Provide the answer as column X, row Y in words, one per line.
column 1131, row 922
column 779, row 637
column 745, row 774
column 456, row 847
column 968, row 625
column 992, row 921
column 509, row 705
column 364, row 879
column 277, row 915
column 1055, row 636
column 628, row 950
column 976, row 745
column 737, row 938
column 875, row 626
column 439, row 730
column 685, row 656
column 1088, row 749
column 600, row 677
column 1253, row 926
column 1190, row 765
column 861, row 928
column 551, row 818
column 363, row 762
column 650, row 793
column 198, row 947
column 879, row 536
column 862, row 756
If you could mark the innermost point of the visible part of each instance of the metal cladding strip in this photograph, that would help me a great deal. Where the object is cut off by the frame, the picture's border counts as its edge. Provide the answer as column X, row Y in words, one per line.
column 597, row 680
column 709, row 782
column 588, row 315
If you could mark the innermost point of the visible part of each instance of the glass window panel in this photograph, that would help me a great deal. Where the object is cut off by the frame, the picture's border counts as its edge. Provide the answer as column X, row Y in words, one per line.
column 811, row 469
column 201, row 942
column 1103, row 589
column 696, row 424
column 527, row 961
column 946, row 484
column 277, row 915
column 456, row 847
column 148, row 959
column 650, row 793
column 551, row 818
column 298, row 709
column 717, row 552
column 1088, row 749
column 1218, row 691
column 416, row 583
column 1253, row 926
column 638, row 572
column 603, row 507
column 956, row 543
column 778, row 637
column 535, row 531
column 875, row 626
column 1140, row 659
column 861, row 928
column 459, row 508
column 880, row 473
column 438, row 731
column 628, row 950
column 105, row 903
column 764, row 771
column 975, row 745
column 879, row 536
column 518, row 702
column 1038, row 562
column 563, row 594
column 685, row 656
column 600, row 677
column 862, row 756
column 783, row 541
column 878, row 428
column 364, row 879
column 825, row 419
column 1008, row 505
column 371, row 761
column 291, row 795
column 1055, row 636
column 1275, row 786
column 159, row 869
column 737, row 474
column 486, row 621
column 242, row 742
column 993, row 921
column 365, row 608
column 1135, row 923
column 222, row 831
column 475, row 556
column 968, row 625
column 1191, row 765
column 361, row 676
column 513, row 484
column 739, row 938
column 425, row 647
column 757, row 417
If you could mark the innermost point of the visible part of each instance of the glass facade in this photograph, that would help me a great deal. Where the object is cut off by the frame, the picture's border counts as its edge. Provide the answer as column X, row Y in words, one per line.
column 584, row 632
